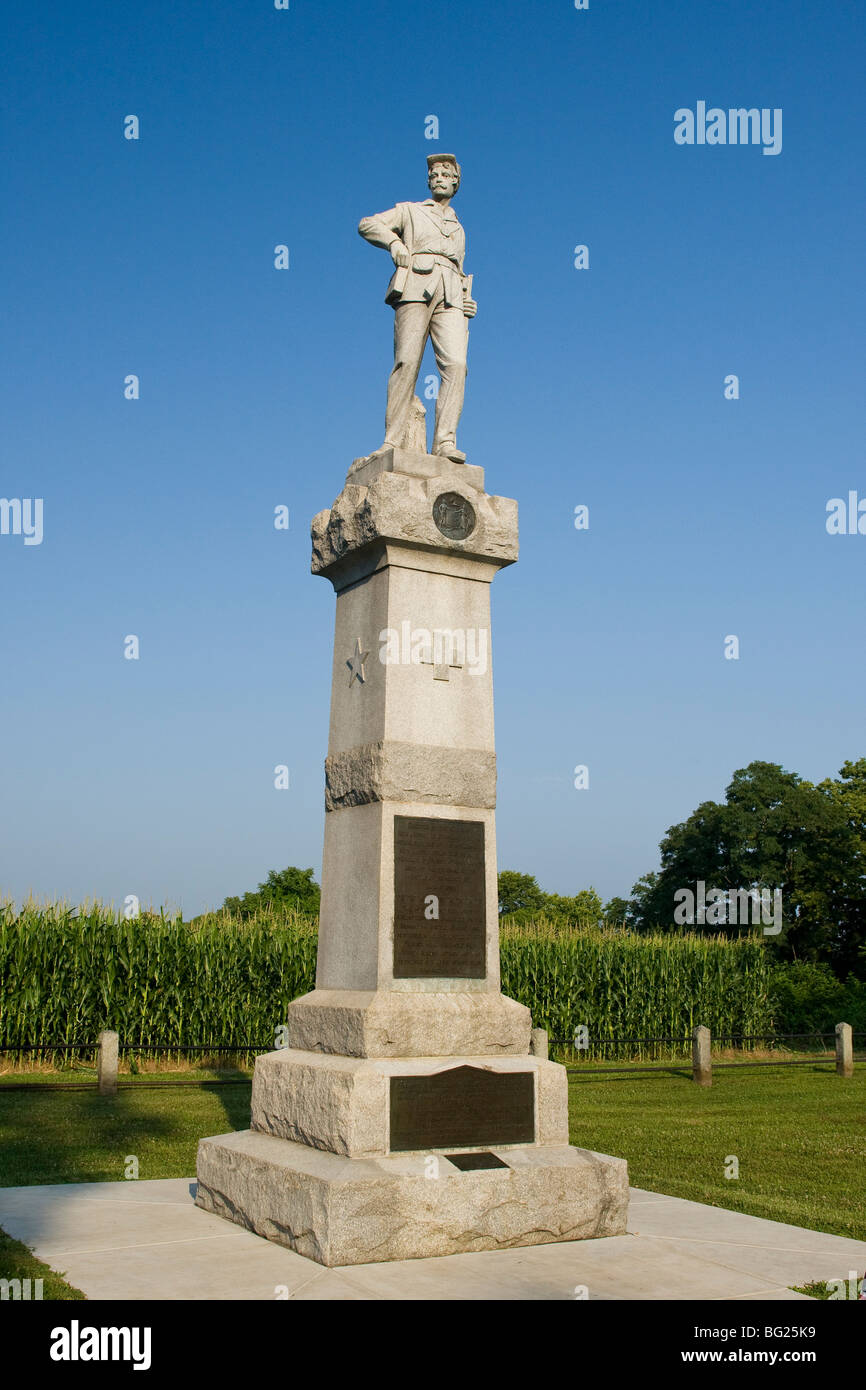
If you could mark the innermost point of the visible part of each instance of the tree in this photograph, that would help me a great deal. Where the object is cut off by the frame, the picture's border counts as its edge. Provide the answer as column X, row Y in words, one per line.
column 774, row 831
column 616, row 911
column 282, row 889
column 846, row 891
column 642, row 905
column 519, row 891
column 584, row 908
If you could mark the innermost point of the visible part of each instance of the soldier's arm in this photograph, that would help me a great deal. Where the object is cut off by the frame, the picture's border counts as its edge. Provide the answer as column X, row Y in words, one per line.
column 467, row 279
column 470, row 308
column 383, row 229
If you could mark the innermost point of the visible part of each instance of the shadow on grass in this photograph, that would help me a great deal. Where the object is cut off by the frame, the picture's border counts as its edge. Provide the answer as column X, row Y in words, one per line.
column 49, row 1137
column 234, row 1102
column 660, row 1071
column 666, row 1073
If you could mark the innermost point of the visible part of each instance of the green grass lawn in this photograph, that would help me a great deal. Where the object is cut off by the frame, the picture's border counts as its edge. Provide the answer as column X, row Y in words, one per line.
column 799, row 1134
column 17, row 1262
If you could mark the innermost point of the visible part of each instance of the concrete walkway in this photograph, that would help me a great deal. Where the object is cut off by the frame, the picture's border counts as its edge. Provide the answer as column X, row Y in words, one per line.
column 147, row 1240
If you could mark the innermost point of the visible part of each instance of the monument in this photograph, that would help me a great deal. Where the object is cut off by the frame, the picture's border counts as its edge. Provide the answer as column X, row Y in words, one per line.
column 408, row 1115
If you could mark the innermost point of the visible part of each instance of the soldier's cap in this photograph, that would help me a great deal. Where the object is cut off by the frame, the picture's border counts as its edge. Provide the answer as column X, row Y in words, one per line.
column 442, row 159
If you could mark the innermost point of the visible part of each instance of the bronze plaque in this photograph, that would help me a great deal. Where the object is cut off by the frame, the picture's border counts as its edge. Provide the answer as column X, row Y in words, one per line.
column 440, row 918
column 454, row 516
column 461, row 1107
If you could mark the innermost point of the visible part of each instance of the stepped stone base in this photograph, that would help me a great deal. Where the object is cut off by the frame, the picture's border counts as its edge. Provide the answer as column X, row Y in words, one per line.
column 408, row 1023
column 342, row 1103
column 344, row 1211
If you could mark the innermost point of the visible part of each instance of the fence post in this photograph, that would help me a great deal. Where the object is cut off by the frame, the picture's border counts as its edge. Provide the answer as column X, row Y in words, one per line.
column 844, row 1050
column 106, row 1066
column 538, row 1042
column 702, row 1067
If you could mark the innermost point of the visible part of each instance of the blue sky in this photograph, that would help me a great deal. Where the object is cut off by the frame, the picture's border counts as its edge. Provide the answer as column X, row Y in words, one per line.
column 259, row 387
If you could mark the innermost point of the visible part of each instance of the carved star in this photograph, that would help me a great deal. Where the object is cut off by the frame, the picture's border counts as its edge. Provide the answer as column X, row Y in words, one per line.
column 356, row 664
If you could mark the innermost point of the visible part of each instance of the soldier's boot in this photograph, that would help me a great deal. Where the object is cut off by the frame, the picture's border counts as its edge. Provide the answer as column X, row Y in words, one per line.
column 447, row 448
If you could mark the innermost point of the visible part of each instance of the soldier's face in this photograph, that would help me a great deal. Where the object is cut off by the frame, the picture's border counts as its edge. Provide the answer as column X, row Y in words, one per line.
column 443, row 180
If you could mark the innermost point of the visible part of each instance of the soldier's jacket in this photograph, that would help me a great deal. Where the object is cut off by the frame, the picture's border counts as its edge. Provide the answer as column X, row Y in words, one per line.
column 435, row 241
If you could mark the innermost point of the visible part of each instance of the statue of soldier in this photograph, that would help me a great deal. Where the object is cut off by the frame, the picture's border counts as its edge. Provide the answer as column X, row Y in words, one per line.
column 431, row 297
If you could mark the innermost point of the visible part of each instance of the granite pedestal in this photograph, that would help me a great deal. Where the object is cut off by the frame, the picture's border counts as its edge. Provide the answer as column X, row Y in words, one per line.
column 407, row 1117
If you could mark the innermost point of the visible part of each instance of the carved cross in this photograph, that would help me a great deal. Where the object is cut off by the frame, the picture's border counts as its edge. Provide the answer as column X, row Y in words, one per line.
column 441, row 668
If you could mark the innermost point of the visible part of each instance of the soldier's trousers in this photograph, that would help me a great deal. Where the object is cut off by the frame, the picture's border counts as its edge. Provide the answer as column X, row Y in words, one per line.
column 447, row 329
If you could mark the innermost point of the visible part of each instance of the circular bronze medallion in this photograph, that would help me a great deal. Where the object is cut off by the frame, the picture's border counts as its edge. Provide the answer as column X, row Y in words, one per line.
column 454, row 516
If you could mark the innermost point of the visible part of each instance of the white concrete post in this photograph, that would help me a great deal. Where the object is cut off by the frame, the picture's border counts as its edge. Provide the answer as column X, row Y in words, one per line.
column 844, row 1050
column 702, row 1067
column 106, row 1067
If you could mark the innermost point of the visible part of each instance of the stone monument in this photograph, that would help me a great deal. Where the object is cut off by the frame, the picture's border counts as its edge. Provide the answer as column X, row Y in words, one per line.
column 409, row 1116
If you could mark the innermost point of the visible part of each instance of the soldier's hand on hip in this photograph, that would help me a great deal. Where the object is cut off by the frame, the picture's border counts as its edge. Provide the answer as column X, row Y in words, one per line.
column 399, row 253
column 470, row 308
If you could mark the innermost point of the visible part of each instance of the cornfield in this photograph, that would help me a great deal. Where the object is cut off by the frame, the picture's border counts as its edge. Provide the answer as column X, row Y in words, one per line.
column 220, row 982
column 156, row 980
column 622, row 986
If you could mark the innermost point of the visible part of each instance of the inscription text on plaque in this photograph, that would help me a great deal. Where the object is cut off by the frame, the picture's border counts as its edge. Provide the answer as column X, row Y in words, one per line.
column 440, row 920
column 462, row 1107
